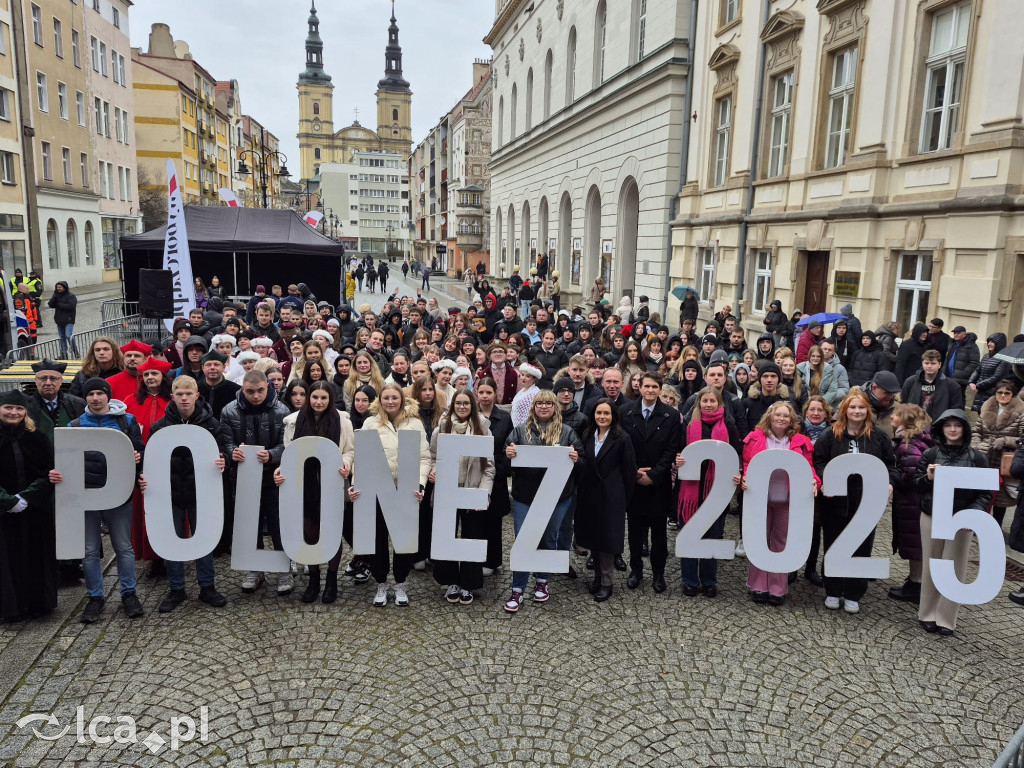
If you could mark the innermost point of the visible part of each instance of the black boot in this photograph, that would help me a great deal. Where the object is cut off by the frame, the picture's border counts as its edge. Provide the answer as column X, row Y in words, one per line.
column 313, row 589
column 330, row 588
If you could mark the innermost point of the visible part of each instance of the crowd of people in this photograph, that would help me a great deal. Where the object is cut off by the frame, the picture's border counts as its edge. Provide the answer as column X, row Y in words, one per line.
column 615, row 385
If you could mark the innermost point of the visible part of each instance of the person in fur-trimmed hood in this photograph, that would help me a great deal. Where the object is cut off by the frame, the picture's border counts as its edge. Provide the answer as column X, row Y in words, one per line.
column 766, row 390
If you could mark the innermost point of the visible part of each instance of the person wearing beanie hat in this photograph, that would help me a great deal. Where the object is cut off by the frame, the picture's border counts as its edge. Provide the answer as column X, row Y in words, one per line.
column 565, row 393
column 766, row 390
column 181, row 331
column 643, row 310
column 811, row 336
column 102, row 411
column 851, row 321
column 215, row 386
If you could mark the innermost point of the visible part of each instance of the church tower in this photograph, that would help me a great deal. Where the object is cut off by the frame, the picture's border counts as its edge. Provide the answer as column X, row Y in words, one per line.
column 394, row 99
column 316, row 111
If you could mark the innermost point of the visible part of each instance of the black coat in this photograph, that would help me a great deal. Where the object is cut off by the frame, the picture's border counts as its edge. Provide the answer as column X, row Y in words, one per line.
column 827, row 447
column 183, row 489
column 962, row 360
column 865, row 362
column 263, row 425
column 908, row 357
column 220, row 396
column 64, row 305
column 501, row 428
column 733, row 405
column 1016, row 539
column 607, row 485
column 552, row 362
column 947, row 394
column 951, row 456
column 655, row 443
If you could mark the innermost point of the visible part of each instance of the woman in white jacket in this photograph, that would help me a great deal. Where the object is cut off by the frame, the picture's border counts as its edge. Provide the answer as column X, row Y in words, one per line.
column 389, row 415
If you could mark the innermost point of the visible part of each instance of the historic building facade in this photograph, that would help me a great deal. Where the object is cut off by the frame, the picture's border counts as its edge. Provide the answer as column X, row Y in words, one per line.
column 588, row 123
column 883, row 169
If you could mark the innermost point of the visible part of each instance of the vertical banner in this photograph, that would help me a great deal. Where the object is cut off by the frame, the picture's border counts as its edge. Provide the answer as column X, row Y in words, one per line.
column 176, row 254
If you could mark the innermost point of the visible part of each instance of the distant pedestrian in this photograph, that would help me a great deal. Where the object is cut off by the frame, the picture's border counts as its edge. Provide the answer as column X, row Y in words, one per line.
column 65, row 306
column 360, row 273
column 405, row 269
column 426, row 279
column 382, row 276
column 371, row 279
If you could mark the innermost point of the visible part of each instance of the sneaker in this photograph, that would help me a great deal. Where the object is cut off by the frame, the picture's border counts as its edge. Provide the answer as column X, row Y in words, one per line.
column 174, row 598
column 293, row 566
column 740, row 551
column 514, row 600
column 350, row 569
column 93, row 609
column 211, row 596
column 488, row 571
column 381, row 598
column 540, row 592
column 401, row 596
column 132, row 606
column 851, row 606
column 285, row 583
column 452, row 593
column 832, row 603
column 253, row 581
column 420, row 565
column 362, row 574
column 465, row 597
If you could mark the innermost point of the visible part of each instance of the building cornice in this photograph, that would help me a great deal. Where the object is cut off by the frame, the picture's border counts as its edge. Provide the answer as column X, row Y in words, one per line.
column 504, row 18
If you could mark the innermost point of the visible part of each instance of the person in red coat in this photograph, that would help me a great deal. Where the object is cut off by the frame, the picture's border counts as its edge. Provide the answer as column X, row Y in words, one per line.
column 148, row 405
column 809, row 338
column 125, row 384
column 504, row 375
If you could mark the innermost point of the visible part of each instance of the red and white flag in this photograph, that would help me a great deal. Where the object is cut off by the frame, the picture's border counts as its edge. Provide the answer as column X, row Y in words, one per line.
column 177, row 257
column 228, row 197
column 313, row 218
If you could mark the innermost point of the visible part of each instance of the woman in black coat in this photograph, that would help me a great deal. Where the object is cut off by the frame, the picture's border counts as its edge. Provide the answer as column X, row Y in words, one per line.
column 609, row 477
column 28, row 561
column 485, row 390
column 989, row 371
column 867, row 360
column 908, row 357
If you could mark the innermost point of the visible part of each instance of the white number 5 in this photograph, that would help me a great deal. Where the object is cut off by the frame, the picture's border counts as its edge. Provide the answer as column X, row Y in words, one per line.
column 946, row 523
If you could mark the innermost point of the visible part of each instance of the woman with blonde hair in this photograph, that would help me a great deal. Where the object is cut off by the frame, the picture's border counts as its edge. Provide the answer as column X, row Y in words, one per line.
column 853, row 432
column 364, row 371
column 389, row 415
column 818, row 377
column 543, row 427
column 911, row 438
column 310, row 351
column 362, row 336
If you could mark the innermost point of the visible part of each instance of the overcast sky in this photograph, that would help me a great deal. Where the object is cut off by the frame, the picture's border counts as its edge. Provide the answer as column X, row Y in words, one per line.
column 261, row 43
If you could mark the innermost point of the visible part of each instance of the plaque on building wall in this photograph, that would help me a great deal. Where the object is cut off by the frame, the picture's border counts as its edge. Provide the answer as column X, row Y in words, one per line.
column 846, row 284
column 606, row 261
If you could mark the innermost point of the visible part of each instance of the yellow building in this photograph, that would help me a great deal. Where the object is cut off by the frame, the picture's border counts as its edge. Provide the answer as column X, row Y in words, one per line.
column 318, row 141
column 13, row 209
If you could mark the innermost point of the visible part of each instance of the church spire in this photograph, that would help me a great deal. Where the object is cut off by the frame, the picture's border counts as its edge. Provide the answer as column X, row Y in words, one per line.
column 314, row 72
column 393, row 80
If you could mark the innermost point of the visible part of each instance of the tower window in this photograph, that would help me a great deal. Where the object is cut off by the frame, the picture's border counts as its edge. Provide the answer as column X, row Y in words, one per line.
column 394, row 114
column 316, row 107
column 316, row 153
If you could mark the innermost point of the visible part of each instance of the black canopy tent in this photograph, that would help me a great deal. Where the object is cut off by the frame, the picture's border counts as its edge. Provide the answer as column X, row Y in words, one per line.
column 244, row 247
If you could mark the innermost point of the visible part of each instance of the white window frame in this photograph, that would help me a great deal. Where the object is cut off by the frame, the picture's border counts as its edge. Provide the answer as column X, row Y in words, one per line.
column 730, row 11
column 841, row 95
column 917, row 285
column 97, row 104
column 62, row 100
column 37, row 25
column 113, row 66
column 124, row 127
column 94, row 52
column 602, row 32
column 103, row 59
column 83, row 163
column 641, row 30
column 707, row 261
column 7, row 168
column 122, row 71
column 46, row 156
column 106, row 119
column 723, row 136
column 42, row 96
column 782, row 112
column 76, row 48
column 4, row 28
column 65, row 159
column 949, row 63
column 58, row 38
column 762, row 281
column 5, row 105
column 80, row 104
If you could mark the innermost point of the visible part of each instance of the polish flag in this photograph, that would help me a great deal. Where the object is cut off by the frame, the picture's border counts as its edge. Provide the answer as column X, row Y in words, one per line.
column 313, row 218
column 228, row 197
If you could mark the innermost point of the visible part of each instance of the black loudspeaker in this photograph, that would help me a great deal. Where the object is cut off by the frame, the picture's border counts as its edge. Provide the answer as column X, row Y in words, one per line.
column 156, row 293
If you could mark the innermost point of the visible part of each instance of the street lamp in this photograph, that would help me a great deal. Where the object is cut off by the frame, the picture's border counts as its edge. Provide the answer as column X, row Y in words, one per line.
column 307, row 196
column 387, row 243
column 260, row 159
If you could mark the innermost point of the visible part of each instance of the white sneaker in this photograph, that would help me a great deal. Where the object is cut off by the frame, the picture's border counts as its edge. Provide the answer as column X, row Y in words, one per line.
column 851, row 606
column 452, row 593
column 740, row 551
column 419, row 565
column 294, row 566
column 381, row 598
column 252, row 581
column 285, row 583
column 832, row 603
column 401, row 597
column 488, row 571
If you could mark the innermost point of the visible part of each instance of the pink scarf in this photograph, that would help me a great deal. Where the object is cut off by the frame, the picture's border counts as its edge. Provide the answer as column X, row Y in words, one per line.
column 690, row 492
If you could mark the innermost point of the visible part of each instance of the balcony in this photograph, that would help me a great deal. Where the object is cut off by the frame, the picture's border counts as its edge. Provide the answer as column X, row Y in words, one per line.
column 470, row 242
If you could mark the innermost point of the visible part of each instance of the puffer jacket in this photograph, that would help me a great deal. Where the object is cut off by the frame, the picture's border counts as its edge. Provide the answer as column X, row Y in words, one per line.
column 263, row 424
column 908, row 358
column 182, row 468
column 865, row 362
column 804, row 343
column 962, row 360
column 775, row 320
column 989, row 372
column 887, row 339
column 64, row 305
column 551, row 361
column 117, row 418
column 755, row 404
column 951, row 456
column 996, row 432
column 906, row 501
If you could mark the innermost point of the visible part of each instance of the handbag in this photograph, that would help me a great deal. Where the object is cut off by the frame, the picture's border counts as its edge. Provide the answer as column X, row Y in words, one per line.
column 1005, row 463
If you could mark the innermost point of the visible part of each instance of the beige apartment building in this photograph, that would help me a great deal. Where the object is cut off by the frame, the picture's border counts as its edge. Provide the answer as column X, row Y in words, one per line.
column 883, row 169
column 14, row 242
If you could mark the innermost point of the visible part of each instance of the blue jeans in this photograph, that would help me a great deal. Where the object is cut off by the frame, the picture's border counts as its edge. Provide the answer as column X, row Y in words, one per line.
column 524, row 306
column 426, row 279
column 548, row 541
column 359, row 280
column 119, row 521
column 565, row 530
column 204, row 565
column 702, row 572
column 64, row 333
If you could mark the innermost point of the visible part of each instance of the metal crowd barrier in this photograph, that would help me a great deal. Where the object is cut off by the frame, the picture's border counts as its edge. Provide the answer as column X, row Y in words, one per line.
column 1013, row 755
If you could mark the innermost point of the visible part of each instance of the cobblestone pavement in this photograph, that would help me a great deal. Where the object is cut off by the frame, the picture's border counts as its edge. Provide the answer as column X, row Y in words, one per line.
column 642, row 680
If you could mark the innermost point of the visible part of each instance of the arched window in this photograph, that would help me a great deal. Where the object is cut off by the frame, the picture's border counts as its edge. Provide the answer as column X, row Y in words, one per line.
column 72, row 238
column 316, row 153
column 501, row 121
column 463, row 227
column 475, row 227
column 570, row 68
column 529, row 99
column 548, row 64
column 90, row 249
column 512, row 108
column 600, row 39
column 51, row 244
column 316, row 107
column 394, row 114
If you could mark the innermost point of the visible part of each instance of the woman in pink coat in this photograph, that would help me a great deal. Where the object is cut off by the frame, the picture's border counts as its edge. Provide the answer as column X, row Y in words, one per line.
column 778, row 429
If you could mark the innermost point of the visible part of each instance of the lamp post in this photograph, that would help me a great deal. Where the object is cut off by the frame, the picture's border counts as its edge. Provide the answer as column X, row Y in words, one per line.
column 387, row 243
column 261, row 158
column 307, row 196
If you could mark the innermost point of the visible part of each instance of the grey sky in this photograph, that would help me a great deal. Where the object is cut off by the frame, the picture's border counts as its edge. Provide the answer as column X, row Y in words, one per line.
column 261, row 43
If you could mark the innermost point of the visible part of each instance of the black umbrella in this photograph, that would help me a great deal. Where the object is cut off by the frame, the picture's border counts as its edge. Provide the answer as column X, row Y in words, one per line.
column 1014, row 353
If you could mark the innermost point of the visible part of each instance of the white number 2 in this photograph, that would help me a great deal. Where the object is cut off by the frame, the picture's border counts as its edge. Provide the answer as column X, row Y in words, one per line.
column 691, row 542
column 839, row 559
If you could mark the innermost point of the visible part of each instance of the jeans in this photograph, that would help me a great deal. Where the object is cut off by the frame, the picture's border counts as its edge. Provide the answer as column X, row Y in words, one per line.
column 524, row 307
column 426, row 280
column 65, row 333
column 359, row 281
column 548, row 541
column 204, row 565
column 119, row 521
column 565, row 530
column 702, row 572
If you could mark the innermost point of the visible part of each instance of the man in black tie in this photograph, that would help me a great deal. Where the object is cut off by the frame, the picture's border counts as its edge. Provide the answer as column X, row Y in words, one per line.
column 52, row 408
column 655, row 431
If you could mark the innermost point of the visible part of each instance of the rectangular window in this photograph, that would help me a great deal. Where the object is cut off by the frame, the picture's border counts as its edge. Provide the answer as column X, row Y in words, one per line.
column 124, row 127
column 76, row 52
column 7, row 167
column 41, row 94
column 98, row 114
column 641, row 32
column 65, row 156
column 730, row 10
column 705, row 272
column 184, row 105
column 840, row 107
column 5, row 104
column 782, row 108
column 103, row 59
column 94, row 50
column 120, row 179
column 58, row 38
column 96, row 5
column 106, row 119
column 80, row 103
column 947, row 52
column 3, row 38
column 913, row 289
column 762, row 281
column 37, row 25
column 62, row 100
column 128, row 184
column 117, row 124
column 121, row 71
column 113, row 66
column 84, row 167
column 47, row 161
column 723, row 131
column 117, row 18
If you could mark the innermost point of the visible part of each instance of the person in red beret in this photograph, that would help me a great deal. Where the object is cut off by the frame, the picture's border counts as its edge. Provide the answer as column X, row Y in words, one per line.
column 124, row 384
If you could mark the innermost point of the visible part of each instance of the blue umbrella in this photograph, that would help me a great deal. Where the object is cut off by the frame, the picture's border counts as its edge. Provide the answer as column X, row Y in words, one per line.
column 821, row 317
column 680, row 292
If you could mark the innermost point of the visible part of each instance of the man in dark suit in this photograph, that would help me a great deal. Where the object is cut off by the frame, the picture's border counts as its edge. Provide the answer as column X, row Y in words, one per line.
column 52, row 408
column 656, row 434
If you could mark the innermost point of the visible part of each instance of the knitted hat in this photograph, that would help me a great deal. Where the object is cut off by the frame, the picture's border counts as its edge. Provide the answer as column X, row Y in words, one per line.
column 846, row 309
column 91, row 385
column 179, row 324
column 261, row 289
column 813, row 324
column 709, row 339
column 14, row 397
column 768, row 367
column 565, row 383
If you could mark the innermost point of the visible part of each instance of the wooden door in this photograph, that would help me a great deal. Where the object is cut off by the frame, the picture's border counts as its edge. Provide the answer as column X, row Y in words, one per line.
column 816, row 282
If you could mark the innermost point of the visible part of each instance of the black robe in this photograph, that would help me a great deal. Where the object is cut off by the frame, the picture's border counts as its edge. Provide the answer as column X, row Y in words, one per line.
column 28, row 559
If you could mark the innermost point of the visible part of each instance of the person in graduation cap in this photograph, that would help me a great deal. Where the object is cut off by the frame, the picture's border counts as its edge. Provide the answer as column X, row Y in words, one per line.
column 28, row 563
column 124, row 385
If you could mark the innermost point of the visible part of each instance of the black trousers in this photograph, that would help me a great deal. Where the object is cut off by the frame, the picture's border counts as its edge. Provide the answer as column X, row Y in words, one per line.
column 472, row 525
column 812, row 557
column 426, row 522
column 851, row 589
column 381, row 562
column 637, row 528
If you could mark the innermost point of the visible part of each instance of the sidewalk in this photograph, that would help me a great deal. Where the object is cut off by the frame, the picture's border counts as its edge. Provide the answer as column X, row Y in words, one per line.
column 90, row 298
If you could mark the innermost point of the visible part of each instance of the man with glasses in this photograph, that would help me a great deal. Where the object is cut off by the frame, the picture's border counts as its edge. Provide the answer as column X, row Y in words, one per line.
column 54, row 408
column 505, row 376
